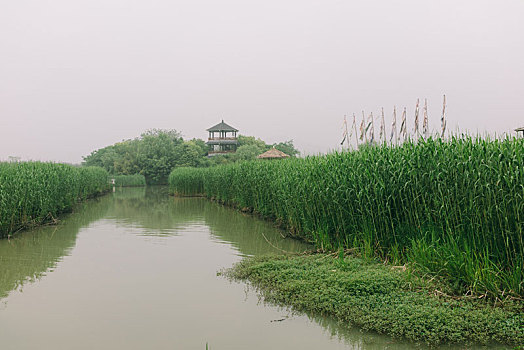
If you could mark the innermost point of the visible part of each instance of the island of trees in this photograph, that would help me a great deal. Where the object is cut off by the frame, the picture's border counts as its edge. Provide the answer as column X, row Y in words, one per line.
column 156, row 152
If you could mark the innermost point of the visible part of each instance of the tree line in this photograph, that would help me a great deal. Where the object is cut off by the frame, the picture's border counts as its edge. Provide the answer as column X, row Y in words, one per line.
column 156, row 152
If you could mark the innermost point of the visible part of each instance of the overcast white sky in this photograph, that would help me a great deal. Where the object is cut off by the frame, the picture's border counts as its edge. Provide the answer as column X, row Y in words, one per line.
column 77, row 75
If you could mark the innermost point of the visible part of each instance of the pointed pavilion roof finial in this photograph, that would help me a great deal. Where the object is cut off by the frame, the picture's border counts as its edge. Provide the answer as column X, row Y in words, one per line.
column 222, row 127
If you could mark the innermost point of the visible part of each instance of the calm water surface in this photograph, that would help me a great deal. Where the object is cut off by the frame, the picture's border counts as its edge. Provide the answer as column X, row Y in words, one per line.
column 137, row 269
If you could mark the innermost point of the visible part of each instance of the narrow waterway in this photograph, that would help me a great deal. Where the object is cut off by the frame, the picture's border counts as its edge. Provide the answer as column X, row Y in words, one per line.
column 137, row 269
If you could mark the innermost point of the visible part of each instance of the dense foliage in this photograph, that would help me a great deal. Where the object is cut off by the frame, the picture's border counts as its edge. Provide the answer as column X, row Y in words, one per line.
column 135, row 180
column 454, row 208
column 374, row 297
column 156, row 152
column 33, row 192
column 153, row 155
column 249, row 148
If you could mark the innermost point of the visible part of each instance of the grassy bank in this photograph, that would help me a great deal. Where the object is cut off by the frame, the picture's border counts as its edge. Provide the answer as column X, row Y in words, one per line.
column 452, row 208
column 34, row 192
column 135, row 180
column 378, row 298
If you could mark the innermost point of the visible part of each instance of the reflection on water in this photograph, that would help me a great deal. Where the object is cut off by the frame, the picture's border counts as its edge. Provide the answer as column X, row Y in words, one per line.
column 28, row 255
column 147, row 207
column 136, row 269
column 152, row 209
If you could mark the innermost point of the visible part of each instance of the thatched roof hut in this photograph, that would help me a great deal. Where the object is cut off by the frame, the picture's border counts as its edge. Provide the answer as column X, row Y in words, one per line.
column 273, row 153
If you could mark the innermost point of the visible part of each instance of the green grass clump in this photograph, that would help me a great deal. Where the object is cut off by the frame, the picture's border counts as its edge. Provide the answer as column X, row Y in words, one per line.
column 187, row 181
column 452, row 208
column 375, row 297
column 35, row 192
column 135, row 180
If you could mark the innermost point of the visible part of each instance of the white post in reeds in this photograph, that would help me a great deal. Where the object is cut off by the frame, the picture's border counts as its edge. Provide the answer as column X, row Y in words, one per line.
column 345, row 133
column 382, row 127
column 354, row 127
column 443, row 118
column 415, row 130
column 372, row 125
column 362, row 133
column 425, row 126
column 403, row 128
column 366, row 128
column 347, row 136
column 394, row 127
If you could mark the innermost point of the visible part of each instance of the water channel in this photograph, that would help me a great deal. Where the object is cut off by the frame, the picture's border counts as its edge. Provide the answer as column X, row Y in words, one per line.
column 137, row 269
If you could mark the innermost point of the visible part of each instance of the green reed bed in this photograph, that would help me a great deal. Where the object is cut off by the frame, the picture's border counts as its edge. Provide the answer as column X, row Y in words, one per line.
column 452, row 208
column 187, row 181
column 135, row 180
column 35, row 192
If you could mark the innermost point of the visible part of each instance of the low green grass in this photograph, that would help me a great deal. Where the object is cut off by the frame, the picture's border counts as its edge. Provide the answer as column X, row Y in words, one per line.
column 35, row 192
column 135, row 180
column 379, row 298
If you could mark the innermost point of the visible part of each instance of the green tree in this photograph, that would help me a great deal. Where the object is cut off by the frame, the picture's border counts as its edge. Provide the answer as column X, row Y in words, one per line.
column 188, row 154
column 248, row 152
column 125, row 157
column 157, row 154
column 204, row 148
column 287, row 147
column 251, row 140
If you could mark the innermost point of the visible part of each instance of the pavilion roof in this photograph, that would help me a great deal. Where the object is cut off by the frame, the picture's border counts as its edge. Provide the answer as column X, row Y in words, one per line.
column 273, row 153
column 519, row 129
column 222, row 127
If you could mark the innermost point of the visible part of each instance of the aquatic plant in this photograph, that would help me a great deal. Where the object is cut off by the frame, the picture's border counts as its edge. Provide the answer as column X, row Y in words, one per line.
column 453, row 208
column 377, row 298
column 35, row 192
column 187, row 181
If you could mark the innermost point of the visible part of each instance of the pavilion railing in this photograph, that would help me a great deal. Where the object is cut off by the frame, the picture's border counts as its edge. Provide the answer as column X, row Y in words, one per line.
column 222, row 138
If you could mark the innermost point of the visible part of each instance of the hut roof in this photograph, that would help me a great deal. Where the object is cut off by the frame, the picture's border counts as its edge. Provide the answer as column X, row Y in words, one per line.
column 273, row 153
column 519, row 129
column 222, row 127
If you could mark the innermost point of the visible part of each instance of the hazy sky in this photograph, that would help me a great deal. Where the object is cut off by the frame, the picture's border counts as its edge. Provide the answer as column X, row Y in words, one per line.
column 77, row 75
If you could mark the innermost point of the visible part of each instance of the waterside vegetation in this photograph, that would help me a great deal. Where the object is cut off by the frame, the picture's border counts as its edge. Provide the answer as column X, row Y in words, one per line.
column 187, row 182
column 135, row 180
column 32, row 193
column 450, row 208
column 157, row 152
column 378, row 298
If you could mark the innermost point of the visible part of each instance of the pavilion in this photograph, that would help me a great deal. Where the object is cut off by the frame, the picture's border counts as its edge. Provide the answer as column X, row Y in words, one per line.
column 222, row 139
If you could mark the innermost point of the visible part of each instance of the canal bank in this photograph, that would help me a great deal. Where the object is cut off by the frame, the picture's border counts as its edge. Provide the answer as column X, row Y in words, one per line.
column 379, row 298
column 137, row 269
